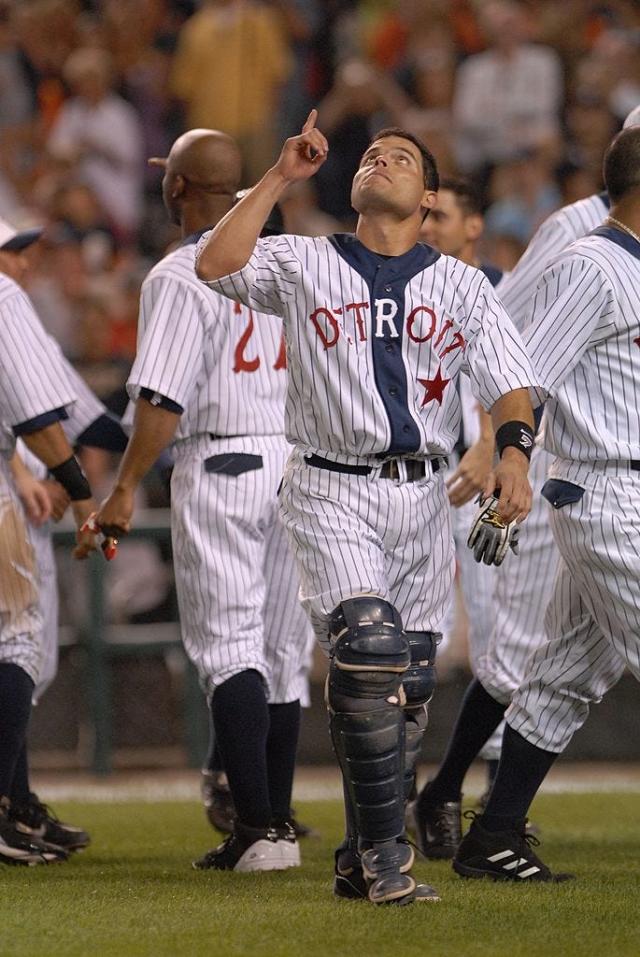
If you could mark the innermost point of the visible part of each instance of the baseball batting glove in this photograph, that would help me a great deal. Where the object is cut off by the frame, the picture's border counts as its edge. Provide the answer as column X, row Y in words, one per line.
column 490, row 537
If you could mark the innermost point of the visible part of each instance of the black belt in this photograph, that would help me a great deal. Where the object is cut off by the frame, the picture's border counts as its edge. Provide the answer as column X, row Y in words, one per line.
column 415, row 468
column 635, row 465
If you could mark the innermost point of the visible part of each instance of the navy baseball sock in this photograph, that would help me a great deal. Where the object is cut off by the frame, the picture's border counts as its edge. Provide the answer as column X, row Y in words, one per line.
column 492, row 769
column 20, row 788
column 282, row 744
column 522, row 769
column 16, row 688
column 241, row 723
column 479, row 716
column 213, row 761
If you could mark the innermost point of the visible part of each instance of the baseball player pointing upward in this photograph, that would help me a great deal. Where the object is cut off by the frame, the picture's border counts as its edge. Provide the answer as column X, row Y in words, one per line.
column 377, row 327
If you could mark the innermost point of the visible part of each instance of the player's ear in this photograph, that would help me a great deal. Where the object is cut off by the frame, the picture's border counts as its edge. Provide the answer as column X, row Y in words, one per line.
column 178, row 187
column 473, row 225
column 428, row 201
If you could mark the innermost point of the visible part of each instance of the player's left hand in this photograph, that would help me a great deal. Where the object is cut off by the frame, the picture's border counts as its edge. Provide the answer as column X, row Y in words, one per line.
column 472, row 473
column 511, row 477
column 35, row 500
column 58, row 497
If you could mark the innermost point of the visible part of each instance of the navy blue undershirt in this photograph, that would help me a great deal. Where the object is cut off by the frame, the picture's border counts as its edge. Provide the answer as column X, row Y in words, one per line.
column 386, row 278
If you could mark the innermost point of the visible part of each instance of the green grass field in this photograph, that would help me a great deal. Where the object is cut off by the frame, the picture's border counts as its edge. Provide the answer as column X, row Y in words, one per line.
column 134, row 893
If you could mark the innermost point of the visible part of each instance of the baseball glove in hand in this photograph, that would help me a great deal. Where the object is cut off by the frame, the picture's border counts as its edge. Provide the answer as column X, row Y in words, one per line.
column 490, row 537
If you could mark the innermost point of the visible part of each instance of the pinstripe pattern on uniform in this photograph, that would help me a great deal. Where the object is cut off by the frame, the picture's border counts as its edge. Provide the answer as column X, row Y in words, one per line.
column 32, row 379
column 593, row 425
column 583, row 345
column 230, row 555
column 593, row 620
column 356, row 534
column 452, row 320
column 523, row 587
column 20, row 617
column 211, row 357
column 236, row 582
column 517, row 289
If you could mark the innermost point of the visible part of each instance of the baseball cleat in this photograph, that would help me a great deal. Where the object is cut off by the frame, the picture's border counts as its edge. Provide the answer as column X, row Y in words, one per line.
column 502, row 856
column 385, row 868
column 438, row 828
column 37, row 820
column 17, row 847
column 250, row 849
column 220, row 809
column 350, row 883
column 217, row 800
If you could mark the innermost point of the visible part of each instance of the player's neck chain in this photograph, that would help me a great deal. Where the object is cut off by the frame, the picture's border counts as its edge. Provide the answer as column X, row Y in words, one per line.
column 626, row 229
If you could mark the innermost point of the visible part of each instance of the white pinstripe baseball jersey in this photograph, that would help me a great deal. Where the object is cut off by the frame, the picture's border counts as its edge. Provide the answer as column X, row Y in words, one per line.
column 593, row 412
column 585, row 345
column 208, row 355
column 235, row 575
column 516, row 290
column 33, row 381
column 524, row 588
column 374, row 342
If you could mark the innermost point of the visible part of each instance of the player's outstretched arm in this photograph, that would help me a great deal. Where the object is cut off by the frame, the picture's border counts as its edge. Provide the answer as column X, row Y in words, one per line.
column 233, row 240
column 153, row 429
column 512, row 417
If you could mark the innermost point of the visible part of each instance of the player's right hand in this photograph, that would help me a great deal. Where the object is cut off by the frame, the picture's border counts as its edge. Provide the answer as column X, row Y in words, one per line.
column 114, row 515
column 303, row 155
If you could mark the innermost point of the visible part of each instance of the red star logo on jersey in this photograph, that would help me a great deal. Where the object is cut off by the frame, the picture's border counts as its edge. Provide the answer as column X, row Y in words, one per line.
column 434, row 388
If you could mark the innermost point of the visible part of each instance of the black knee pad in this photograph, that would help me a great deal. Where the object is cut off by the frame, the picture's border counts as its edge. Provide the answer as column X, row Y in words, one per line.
column 370, row 654
column 419, row 680
column 418, row 683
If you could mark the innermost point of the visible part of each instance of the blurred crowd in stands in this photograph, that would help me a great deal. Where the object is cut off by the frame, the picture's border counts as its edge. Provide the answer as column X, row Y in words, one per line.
column 520, row 96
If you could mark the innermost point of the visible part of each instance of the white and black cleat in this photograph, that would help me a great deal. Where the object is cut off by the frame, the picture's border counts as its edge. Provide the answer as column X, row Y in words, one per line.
column 250, row 849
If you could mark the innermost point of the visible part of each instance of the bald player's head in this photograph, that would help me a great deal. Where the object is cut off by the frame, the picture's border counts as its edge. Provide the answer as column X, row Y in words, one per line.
column 621, row 168
column 201, row 165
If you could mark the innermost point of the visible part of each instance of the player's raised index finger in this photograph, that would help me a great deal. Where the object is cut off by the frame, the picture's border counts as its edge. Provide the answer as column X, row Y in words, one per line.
column 310, row 121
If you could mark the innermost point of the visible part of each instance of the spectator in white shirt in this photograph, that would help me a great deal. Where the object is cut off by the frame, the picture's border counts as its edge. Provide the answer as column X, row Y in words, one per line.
column 509, row 97
column 99, row 134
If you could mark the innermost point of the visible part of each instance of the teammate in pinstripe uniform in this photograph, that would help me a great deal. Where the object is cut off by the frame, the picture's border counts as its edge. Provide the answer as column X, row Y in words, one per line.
column 377, row 327
column 584, row 340
column 522, row 589
column 34, row 394
column 454, row 227
column 87, row 424
column 211, row 380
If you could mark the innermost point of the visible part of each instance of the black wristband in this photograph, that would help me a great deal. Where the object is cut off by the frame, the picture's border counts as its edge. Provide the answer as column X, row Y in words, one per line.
column 72, row 479
column 518, row 434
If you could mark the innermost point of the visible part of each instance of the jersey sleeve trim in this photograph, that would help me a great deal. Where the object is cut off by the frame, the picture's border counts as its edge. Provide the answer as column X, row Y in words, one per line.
column 161, row 401
column 40, row 422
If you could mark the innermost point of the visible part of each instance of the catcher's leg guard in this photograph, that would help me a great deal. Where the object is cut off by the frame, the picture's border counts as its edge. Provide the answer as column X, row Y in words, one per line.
column 418, row 682
column 369, row 656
